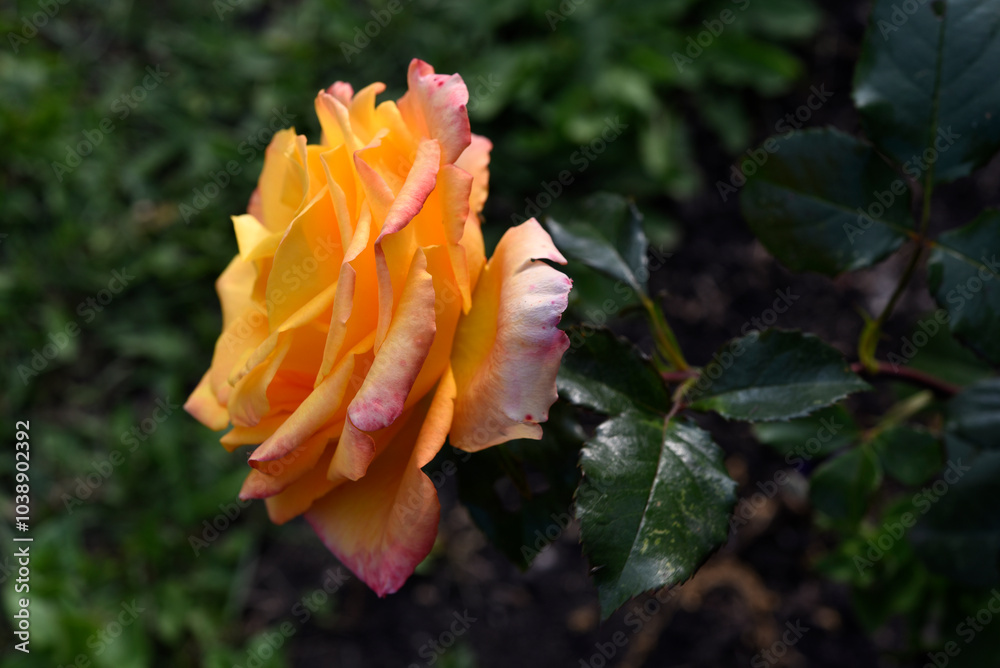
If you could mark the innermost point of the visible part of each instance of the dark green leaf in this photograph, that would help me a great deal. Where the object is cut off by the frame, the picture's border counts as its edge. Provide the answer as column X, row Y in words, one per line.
column 841, row 486
column 974, row 416
column 929, row 83
column 959, row 534
column 911, row 455
column 608, row 374
column 608, row 237
column 963, row 273
column 521, row 493
column 654, row 501
column 824, row 201
column 942, row 356
column 822, row 433
column 774, row 375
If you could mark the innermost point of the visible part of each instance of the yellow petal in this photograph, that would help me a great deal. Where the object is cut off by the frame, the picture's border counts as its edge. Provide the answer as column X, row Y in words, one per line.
column 324, row 405
column 258, row 433
column 205, row 408
column 306, row 262
column 282, row 184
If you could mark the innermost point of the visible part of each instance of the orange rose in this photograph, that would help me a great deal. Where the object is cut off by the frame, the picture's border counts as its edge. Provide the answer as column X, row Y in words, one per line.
column 362, row 324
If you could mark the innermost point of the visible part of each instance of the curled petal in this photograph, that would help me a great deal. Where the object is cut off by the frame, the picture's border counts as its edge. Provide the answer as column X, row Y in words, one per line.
column 435, row 105
column 382, row 396
column 508, row 347
column 383, row 525
column 476, row 161
column 205, row 408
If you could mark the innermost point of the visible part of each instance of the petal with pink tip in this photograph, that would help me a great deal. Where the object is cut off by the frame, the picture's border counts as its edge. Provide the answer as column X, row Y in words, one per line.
column 508, row 347
column 383, row 525
column 434, row 104
column 380, row 400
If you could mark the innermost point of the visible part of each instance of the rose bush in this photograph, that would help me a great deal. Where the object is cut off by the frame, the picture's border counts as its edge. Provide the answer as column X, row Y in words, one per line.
column 362, row 324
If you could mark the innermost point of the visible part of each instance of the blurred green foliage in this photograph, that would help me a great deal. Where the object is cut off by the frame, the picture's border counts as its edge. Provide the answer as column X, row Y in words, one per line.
column 118, row 117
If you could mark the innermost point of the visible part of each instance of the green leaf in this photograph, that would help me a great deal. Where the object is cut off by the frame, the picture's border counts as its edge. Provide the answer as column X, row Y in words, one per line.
column 959, row 533
column 943, row 356
column 963, row 272
column 929, row 82
column 825, row 202
column 774, row 375
column 842, row 485
column 654, row 502
column 911, row 455
column 520, row 493
column 609, row 239
column 608, row 374
column 820, row 434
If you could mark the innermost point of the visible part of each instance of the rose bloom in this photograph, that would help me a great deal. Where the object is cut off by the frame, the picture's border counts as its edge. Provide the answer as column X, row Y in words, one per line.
column 362, row 324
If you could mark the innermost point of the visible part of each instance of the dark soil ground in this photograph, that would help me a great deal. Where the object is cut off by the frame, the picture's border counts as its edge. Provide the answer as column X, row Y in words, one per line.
column 759, row 582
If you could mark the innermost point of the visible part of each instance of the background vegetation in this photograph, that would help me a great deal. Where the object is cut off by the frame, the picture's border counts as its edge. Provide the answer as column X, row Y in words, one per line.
column 166, row 94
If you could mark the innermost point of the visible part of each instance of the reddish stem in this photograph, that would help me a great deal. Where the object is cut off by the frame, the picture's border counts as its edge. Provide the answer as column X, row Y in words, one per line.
column 884, row 369
column 908, row 374
column 679, row 376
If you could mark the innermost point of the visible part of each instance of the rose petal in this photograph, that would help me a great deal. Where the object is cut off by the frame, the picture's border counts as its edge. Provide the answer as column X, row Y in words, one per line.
column 205, row 408
column 508, row 348
column 327, row 403
column 306, row 262
column 434, row 104
column 270, row 478
column 383, row 525
column 380, row 400
column 476, row 161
